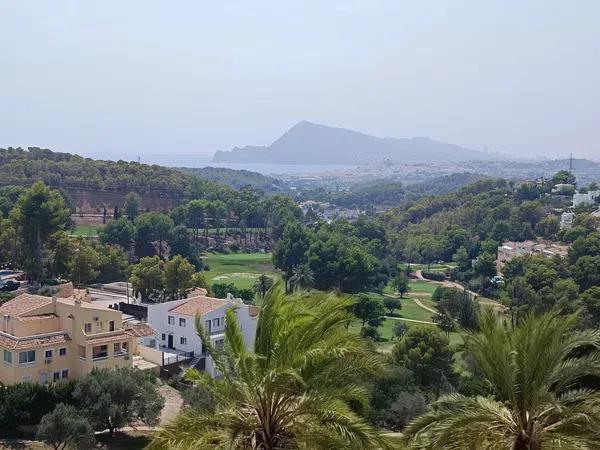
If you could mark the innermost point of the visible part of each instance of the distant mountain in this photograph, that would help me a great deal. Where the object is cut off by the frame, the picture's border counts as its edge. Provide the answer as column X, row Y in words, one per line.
column 311, row 143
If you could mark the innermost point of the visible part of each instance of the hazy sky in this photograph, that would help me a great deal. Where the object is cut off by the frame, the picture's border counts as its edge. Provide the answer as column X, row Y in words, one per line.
column 173, row 81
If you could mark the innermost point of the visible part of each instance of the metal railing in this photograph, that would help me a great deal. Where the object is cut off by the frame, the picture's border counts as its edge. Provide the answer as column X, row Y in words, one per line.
column 178, row 357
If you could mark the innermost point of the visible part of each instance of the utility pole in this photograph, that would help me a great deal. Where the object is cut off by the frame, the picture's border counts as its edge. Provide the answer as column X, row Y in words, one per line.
column 571, row 164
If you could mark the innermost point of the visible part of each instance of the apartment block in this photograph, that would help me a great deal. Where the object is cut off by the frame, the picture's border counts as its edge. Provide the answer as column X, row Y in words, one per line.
column 46, row 339
column 509, row 250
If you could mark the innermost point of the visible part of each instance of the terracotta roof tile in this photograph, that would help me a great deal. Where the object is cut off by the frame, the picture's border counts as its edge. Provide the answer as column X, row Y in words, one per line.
column 107, row 339
column 200, row 305
column 140, row 330
column 23, row 304
column 16, row 343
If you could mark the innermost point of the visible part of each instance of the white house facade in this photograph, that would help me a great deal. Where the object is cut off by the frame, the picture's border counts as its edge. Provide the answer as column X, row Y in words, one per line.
column 174, row 323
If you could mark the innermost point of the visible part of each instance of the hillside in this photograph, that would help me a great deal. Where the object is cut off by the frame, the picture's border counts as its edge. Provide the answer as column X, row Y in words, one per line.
column 310, row 143
column 236, row 178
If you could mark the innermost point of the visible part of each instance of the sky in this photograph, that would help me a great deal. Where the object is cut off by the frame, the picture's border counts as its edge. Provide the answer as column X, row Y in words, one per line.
column 172, row 82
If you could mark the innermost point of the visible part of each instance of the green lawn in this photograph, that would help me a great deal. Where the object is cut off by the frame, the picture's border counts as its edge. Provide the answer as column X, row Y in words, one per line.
column 422, row 286
column 85, row 230
column 444, row 266
column 410, row 310
column 241, row 269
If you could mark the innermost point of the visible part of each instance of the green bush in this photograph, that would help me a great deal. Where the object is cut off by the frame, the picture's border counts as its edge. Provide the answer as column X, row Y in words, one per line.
column 434, row 275
column 26, row 404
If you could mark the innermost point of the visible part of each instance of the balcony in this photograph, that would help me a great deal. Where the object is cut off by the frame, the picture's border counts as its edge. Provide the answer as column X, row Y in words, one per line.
column 99, row 353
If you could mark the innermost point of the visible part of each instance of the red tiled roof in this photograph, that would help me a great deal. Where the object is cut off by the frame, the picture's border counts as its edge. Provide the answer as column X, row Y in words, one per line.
column 37, row 317
column 106, row 339
column 200, row 305
column 140, row 330
column 16, row 343
column 23, row 304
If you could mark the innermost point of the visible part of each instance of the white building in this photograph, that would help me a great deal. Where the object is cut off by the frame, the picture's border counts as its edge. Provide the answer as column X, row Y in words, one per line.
column 566, row 220
column 174, row 323
column 588, row 198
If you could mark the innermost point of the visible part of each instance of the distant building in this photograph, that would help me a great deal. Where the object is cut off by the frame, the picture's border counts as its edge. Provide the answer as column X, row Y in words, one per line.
column 562, row 187
column 509, row 250
column 586, row 199
column 566, row 220
column 327, row 211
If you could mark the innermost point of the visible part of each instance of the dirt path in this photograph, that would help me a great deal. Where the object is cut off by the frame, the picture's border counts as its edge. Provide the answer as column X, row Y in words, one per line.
column 410, row 320
column 173, row 403
column 453, row 284
column 431, row 310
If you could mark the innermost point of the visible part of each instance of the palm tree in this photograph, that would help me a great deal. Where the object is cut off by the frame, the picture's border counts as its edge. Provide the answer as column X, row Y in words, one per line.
column 537, row 371
column 302, row 277
column 262, row 285
column 292, row 392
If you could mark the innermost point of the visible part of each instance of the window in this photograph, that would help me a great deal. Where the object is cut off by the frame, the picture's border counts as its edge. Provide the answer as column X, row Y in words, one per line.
column 215, row 323
column 207, row 325
column 171, row 320
column 81, row 351
column 56, row 376
column 117, row 347
column 7, row 357
column 48, row 354
column 26, row 379
column 183, row 341
column 219, row 344
column 87, row 328
column 65, row 373
column 163, row 337
column 111, row 325
column 27, row 357
column 62, row 351
column 181, row 322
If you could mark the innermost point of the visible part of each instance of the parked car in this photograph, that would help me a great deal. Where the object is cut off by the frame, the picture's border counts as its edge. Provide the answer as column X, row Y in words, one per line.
column 8, row 286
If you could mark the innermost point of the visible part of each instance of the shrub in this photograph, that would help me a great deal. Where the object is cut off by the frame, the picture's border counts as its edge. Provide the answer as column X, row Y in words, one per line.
column 406, row 407
column 26, row 404
column 435, row 275
column 65, row 426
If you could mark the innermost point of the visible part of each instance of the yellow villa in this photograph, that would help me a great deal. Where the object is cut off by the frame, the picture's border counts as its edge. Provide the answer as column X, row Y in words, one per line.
column 44, row 339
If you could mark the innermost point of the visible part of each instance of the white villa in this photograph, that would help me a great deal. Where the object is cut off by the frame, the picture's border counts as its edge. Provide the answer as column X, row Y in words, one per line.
column 587, row 199
column 174, row 323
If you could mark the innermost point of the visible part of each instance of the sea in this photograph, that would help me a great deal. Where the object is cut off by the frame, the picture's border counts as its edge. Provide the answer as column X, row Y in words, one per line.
column 276, row 169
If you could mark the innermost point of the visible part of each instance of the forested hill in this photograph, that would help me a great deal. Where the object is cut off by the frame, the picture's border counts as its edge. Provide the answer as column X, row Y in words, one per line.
column 69, row 171
column 237, row 178
column 388, row 193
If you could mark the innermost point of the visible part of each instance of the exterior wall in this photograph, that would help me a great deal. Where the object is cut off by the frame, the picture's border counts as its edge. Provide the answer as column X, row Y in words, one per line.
column 150, row 354
column 32, row 327
column 42, row 369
